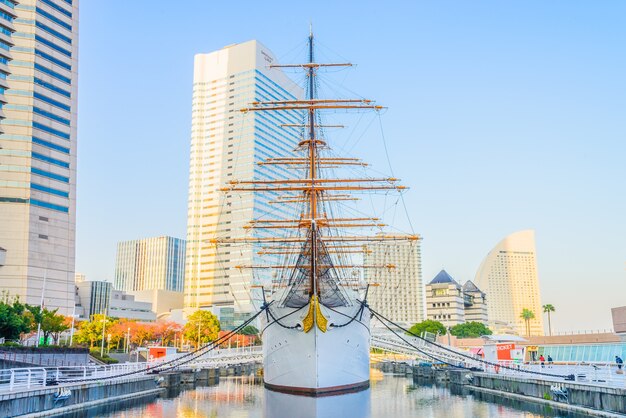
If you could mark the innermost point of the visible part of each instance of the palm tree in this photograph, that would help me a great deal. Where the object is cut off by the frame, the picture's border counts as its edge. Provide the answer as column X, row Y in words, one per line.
column 547, row 309
column 527, row 315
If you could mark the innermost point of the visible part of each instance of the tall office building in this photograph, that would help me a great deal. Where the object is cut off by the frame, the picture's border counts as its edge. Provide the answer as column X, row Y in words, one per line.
column 150, row 264
column 227, row 144
column 38, row 153
column 508, row 275
column 400, row 291
column 7, row 15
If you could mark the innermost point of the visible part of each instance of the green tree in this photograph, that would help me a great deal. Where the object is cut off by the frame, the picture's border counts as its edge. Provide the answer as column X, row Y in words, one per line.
column 90, row 332
column 13, row 321
column 527, row 315
column 548, row 309
column 53, row 324
column 470, row 330
column 249, row 330
column 428, row 325
column 204, row 322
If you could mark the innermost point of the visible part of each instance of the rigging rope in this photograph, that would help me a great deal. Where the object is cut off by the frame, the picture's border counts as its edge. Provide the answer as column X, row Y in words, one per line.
column 382, row 319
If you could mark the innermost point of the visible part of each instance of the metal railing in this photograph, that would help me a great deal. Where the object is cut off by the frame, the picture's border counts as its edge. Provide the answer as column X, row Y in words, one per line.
column 20, row 379
column 34, row 377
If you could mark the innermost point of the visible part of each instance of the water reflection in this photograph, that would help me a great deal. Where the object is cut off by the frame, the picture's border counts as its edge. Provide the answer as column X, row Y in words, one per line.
column 281, row 405
column 389, row 396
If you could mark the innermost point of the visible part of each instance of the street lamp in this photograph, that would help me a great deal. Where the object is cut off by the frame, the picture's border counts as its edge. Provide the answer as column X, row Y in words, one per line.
column 128, row 340
column 104, row 323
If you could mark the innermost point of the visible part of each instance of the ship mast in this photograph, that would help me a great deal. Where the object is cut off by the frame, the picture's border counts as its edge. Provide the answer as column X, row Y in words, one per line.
column 315, row 271
column 313, row 165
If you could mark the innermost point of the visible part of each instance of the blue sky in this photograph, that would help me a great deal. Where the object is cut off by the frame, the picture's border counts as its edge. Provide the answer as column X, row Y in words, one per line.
column 502, row 116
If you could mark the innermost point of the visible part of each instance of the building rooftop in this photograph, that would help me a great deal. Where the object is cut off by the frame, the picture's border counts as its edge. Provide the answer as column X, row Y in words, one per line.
column 443, row 277
column 469, row 286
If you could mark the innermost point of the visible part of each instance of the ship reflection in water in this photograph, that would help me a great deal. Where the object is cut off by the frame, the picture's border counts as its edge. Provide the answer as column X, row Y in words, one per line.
column 281, row 405
column 389, row 396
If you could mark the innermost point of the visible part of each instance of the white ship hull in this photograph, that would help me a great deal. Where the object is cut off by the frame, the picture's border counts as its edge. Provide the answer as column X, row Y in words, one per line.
column 315, row 362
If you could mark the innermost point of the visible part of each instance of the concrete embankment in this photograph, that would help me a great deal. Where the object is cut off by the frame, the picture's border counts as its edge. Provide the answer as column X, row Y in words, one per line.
column 44, row 402
column 580, row 398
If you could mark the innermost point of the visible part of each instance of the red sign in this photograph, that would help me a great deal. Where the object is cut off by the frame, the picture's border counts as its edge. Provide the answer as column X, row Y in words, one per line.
column 504, row 351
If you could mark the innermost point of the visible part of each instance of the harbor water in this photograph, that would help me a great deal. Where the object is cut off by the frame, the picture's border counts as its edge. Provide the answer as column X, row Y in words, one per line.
column 389, row 396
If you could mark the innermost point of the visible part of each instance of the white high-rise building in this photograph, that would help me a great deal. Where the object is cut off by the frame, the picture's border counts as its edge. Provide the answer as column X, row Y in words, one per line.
column 150, row 264
column 400, row 292
column 38, row 153
column 226, row 145
column 508, row 275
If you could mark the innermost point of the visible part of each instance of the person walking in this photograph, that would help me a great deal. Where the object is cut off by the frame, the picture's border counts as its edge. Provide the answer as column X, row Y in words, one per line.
column 550, row 361
column 620, row 363
column 542, row 360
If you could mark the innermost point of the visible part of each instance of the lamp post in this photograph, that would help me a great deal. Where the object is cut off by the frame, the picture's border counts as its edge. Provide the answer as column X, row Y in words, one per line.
column 198, row 335
column 104, row 323
column 72, row 329
column 43, row 289
column 128, row 340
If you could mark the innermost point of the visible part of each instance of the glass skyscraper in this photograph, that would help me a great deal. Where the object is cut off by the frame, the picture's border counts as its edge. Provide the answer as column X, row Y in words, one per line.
column 150, row 264
column 38, row 151
column 227, row 145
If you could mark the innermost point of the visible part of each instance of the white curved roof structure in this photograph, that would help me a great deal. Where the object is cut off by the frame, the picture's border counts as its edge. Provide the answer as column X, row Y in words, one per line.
column 508, row 275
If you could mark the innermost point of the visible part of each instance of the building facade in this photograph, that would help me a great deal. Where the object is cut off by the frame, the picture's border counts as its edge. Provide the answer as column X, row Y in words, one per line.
column 149, row 264
column 7, row 15
column 475, row 301
column 99, row 298
column 226, row 145
column 508, row 275
column 92, row 298
column 445, row 301
column 38, row 152
column 400, row 292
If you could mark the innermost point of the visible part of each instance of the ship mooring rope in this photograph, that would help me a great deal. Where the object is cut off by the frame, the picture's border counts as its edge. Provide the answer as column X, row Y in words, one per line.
column 387, row 321
column 177, row 361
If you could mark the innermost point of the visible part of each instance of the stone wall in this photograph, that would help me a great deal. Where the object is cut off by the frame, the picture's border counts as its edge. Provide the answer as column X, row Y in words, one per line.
column 48, row 357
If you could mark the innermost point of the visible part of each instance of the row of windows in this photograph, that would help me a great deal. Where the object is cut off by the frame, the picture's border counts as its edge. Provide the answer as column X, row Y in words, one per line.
column 34, row 202
column 50, row 115
column 54, row 161
column 52, row 87
column 52, row 59
column 53, row 46
column 51, row 130
column 53, row 32
column 53, row 18
column 49, row 175
column 8, row 3
column 51, row 101
column 50, row 145
column 57, row 8
column 49, row 190
column 52, row 73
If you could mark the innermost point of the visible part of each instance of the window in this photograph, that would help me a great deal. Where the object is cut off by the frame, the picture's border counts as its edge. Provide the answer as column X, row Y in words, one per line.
column 43, row 236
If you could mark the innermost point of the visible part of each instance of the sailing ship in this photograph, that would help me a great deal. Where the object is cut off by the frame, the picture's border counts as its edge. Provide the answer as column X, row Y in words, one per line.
column 316, row 326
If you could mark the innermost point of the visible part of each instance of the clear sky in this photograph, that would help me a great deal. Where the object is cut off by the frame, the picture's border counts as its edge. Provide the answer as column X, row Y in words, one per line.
column 502, row 116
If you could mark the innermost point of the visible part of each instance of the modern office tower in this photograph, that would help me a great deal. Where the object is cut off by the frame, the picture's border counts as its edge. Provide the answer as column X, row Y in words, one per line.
column 7, row 15
column 444, row 300
column 149, row 264
column 38, row 154
column 226, row 145
column 508, row 275
column 475, row 302
column 400, row 293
